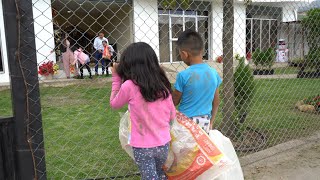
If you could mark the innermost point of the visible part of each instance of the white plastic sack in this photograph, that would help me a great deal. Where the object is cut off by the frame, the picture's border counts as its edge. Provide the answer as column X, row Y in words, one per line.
column 225, row 145
column 124, row 133
column 192, row 154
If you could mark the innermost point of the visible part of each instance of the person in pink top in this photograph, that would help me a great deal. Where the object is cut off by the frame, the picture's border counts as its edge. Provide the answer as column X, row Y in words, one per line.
column 83, row 60
column 139, row 81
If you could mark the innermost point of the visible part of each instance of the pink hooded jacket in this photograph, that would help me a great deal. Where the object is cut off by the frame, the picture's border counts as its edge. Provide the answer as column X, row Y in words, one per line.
column 80, row 56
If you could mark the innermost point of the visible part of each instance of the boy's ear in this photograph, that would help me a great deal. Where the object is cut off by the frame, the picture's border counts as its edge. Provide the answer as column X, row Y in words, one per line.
column 185, row 54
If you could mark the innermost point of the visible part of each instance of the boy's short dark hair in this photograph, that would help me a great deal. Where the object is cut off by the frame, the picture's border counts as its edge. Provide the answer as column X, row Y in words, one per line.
column 191, row 41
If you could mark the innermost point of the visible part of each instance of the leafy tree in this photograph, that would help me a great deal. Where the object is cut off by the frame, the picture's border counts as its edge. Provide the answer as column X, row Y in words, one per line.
column 311, row 25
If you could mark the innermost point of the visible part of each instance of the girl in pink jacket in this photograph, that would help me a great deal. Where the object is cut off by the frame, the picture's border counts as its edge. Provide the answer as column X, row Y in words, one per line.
column 140, row 82
column 83, row 60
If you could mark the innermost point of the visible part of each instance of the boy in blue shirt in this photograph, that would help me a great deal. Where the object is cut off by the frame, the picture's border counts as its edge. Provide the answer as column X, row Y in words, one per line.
column 197, row 87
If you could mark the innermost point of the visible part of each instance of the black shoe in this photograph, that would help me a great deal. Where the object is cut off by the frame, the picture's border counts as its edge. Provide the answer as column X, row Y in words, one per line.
column 90, row 77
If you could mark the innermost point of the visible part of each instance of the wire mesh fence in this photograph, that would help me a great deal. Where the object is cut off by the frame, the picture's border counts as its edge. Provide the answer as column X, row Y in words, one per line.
column 266, row 51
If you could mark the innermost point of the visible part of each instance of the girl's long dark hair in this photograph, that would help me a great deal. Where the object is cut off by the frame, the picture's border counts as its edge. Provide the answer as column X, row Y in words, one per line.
column 139, row 63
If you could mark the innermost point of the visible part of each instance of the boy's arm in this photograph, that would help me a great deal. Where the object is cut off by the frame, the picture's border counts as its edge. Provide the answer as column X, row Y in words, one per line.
column 215, row 106
column 176, row 97
column 178, row 89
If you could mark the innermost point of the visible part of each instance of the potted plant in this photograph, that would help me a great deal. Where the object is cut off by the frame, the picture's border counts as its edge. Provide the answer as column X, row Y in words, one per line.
column 296, row 62
column 48, row 69
column 263, row 60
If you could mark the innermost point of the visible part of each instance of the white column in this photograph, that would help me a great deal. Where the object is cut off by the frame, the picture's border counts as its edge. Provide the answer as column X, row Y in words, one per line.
column 216, row 31
column 145, row 23
column 239, row 37
column 289, row 12
column 239, row 40
column 43, row 29
column 4, row 75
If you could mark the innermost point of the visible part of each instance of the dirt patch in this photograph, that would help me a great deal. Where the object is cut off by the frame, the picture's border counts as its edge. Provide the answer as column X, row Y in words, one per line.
column 298, row 163
column 250, row 140
column 58, row 101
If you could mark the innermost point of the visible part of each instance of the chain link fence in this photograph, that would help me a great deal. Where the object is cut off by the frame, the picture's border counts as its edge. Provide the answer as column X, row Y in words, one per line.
column 266, row 51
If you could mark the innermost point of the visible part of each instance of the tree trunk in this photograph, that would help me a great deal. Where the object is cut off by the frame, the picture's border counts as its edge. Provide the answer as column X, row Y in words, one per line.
column 228, row 89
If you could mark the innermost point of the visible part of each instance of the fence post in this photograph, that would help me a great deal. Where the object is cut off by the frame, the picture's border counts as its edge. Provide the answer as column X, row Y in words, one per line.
column 228, row 89
column 6, row 149
column 28, row 135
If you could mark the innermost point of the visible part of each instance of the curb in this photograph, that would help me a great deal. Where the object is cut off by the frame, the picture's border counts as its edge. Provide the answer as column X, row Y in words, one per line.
column 61, row 82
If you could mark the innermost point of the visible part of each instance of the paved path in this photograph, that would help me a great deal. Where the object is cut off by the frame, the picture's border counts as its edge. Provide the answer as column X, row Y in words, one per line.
column 276, row 76
column 301, row 162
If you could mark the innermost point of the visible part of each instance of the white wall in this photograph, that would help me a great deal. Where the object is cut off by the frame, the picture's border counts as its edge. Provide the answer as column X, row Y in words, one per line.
column 145, row 23
column 239, row 40
column 43, row 29
column 4, row 76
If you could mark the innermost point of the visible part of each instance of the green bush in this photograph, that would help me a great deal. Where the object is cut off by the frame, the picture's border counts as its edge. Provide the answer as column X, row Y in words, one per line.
column 313, row 58
column 264, row 59
column 257, row 57
column 244, row 88
column 311, row 26
column 297, row 60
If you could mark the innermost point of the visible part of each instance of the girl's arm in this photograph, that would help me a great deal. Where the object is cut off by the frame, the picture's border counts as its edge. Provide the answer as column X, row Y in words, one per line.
column 120, row 94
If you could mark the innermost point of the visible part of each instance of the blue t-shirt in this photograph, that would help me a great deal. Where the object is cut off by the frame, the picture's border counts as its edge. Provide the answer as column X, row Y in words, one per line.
column 198, row 85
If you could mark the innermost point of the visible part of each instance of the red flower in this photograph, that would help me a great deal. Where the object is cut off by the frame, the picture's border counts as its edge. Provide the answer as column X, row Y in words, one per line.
column 219, row 59
column 46, row 68
column 249, row 56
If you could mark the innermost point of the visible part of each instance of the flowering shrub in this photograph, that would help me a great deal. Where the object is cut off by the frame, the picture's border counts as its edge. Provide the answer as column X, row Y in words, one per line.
column 314, row 101
column 55, row 68
column 47, row 68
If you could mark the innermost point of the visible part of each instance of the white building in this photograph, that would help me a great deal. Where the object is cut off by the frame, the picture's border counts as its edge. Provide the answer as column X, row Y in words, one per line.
column 126, row 21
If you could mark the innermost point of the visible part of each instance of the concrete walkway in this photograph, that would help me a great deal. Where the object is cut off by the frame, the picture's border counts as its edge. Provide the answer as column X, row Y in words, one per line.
column 171, row 70
column 276, row 76
column 293, row 160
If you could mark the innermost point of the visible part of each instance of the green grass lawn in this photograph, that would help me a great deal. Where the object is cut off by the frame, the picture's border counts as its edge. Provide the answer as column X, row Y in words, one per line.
column 273, row 110
column 286, row 70
column 81, row 131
